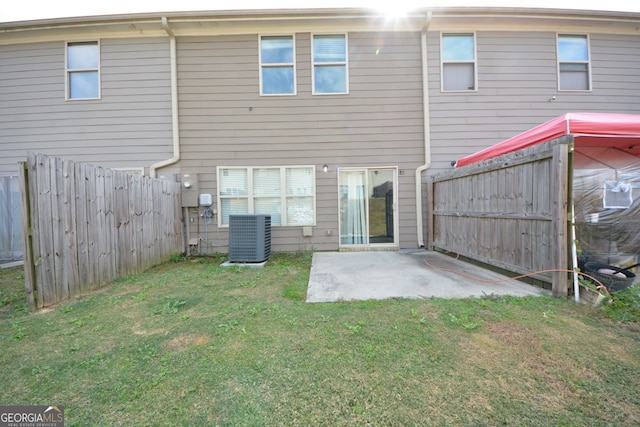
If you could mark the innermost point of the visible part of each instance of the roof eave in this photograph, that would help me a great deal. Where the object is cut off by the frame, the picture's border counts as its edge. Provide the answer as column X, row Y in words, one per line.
column 315, row 13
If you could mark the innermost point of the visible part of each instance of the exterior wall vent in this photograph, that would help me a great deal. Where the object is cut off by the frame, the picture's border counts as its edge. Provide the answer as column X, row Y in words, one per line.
column 249, row 237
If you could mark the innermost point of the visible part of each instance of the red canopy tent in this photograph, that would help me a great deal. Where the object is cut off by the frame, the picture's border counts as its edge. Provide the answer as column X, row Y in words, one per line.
column 603, row 138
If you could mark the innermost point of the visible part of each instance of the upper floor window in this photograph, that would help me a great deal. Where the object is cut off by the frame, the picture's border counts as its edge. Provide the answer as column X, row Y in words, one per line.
column 83, row 70
column 330, row 73
column 287, row 193
column 277, row 65
column 573, row 62
column 458, row 62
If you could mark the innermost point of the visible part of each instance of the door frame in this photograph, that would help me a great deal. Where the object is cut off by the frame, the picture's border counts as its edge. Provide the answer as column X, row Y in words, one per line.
column 370, row 246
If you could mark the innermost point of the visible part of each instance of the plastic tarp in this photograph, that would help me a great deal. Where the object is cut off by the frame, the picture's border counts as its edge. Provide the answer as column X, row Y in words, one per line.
column 620, row 133
column 607, row 214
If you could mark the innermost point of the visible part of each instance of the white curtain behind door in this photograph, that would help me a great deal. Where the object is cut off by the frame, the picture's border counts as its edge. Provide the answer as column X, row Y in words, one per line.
column 354, row 230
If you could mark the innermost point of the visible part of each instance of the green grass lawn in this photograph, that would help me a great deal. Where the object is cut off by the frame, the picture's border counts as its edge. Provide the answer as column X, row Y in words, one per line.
column 193, row 343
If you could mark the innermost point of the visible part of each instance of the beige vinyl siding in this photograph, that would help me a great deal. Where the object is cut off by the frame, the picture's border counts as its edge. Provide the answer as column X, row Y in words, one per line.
column 615, row 65
column 225, row 122
column 517, row 77
column 130, row 126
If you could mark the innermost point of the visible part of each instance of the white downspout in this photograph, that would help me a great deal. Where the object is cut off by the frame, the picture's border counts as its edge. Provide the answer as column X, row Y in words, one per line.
column 175, row 124
column 427, row 132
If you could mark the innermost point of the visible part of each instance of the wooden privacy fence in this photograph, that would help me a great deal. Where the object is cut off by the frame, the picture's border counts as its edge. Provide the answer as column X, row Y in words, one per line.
column 509, row 212
column 11, row 239
column 85, row 226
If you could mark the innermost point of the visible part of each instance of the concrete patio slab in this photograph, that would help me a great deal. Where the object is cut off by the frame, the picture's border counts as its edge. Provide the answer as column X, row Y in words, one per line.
column 346, row 276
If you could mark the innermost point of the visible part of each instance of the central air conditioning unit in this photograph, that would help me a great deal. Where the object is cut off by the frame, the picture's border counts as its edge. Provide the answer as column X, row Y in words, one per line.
column 249, row 237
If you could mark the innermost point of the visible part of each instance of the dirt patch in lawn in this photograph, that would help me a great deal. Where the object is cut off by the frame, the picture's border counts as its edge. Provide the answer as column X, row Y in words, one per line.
column 511, row 335
column 182, row 342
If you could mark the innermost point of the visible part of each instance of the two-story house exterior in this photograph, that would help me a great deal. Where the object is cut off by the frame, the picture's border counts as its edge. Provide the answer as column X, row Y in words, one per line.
column 329, row 120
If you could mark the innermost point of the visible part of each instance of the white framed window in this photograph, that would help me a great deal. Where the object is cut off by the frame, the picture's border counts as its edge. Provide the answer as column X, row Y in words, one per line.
column 574, row 66
column 82, row 65
column 330, row 65
column 458, row 62
column 134, row 171
column 287, row 193
column 277, row 65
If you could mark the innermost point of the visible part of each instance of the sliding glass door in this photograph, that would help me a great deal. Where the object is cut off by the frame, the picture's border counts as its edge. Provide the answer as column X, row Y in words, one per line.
column 367, row 205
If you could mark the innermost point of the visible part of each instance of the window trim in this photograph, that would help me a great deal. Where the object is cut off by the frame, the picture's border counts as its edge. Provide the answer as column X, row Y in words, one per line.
column 68, row 72
column 283, row 192
column 345, row 63
column 466, row 61
column 588, row 62
column 292, row 64
column 133, row 170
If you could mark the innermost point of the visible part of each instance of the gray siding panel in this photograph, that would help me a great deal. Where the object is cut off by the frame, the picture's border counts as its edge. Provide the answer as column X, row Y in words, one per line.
column 130, row 126
column 517, row 77
column 225, row 122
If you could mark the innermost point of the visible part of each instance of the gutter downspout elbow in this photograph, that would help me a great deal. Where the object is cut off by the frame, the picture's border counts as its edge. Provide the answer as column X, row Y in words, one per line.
column 175, row 124
column 427, row 131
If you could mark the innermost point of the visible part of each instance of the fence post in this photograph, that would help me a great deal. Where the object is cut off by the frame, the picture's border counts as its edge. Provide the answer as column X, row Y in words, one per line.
column 559, row 217
column 430, row 215
column 27, row 236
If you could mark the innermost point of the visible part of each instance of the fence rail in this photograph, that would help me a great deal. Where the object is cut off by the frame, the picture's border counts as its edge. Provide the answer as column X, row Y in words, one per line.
column 510, row 212
column 85, row 226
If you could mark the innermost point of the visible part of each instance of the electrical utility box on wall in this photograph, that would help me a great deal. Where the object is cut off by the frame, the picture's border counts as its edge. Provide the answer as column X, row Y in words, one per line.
column 249, row 237
column 205, row 200
column 190, row 190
